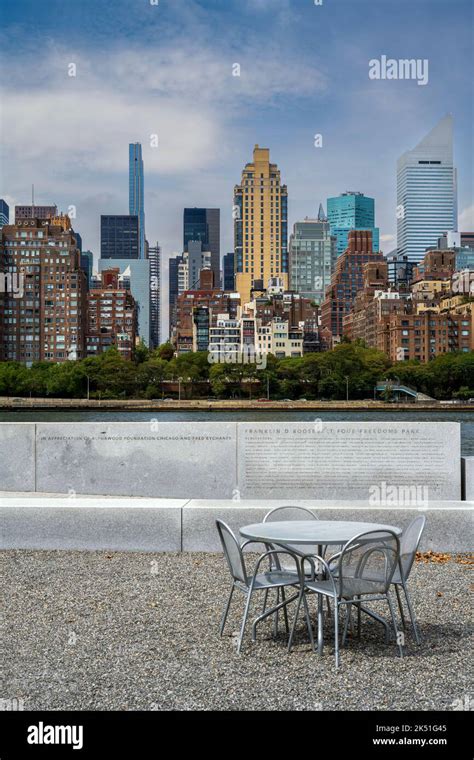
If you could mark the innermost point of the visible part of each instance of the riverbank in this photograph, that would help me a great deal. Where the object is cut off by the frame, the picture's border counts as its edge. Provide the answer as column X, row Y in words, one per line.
column 228, row 405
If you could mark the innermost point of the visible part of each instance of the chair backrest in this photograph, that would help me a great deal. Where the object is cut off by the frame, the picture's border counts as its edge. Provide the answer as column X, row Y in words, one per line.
column 367, row 563
column 409, row 542
column 289, row 513
column 232, row 552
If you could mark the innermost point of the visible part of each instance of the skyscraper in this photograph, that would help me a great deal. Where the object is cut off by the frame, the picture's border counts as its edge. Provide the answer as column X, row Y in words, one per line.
column 312, row 255
column 351, row 211
column 229, row 274
column 173, row 288
column 154, row 256
column 87, row 261
column 426, row 192
column 4, row 213
column 136, row 193
column 119, row 236
column 260, row 226
column 203, row 224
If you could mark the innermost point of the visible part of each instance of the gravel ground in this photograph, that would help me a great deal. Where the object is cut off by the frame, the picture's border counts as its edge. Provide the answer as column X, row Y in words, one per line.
column 131, row 631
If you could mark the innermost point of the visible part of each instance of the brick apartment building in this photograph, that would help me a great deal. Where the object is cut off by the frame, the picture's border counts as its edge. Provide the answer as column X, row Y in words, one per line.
column 421, row 324
column 45, row 319
column 198, row 310
column 347, row 280
column 112, row 316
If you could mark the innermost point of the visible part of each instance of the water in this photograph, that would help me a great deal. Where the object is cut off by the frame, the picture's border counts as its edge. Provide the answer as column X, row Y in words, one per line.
column 465, row 418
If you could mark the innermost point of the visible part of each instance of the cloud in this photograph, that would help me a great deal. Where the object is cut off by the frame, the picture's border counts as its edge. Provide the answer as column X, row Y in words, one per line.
column 466, row 219
column 185, row 96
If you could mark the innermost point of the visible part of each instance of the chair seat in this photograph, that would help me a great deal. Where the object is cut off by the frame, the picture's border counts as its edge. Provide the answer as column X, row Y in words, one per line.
column 275, row 578
column 352, row 587
column 376, row 576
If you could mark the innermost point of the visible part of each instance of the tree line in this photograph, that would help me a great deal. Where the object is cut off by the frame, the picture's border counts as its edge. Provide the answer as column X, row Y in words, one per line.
column 351, row 369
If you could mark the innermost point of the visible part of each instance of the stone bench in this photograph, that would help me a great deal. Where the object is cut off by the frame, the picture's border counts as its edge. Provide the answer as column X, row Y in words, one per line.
column 53, row 521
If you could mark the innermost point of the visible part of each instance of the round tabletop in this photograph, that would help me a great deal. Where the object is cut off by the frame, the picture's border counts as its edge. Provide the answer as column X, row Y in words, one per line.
column 303, row 532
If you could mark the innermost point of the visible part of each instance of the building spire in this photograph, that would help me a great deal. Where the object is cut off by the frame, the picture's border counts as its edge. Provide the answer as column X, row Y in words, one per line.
column 321, row 215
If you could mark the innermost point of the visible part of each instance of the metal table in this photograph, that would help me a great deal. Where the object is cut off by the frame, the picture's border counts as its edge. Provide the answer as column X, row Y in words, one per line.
column 301, row 533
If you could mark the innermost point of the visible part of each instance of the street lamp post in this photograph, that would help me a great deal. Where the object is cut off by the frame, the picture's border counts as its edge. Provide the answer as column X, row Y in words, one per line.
column 88, row 387
column 179, row 388
column 347, row 387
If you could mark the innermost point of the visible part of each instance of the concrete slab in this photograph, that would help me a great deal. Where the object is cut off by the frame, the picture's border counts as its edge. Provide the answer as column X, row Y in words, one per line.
column 150, row 458
column 340, row 460
column 17, row 456
column 468, row 478
column 90, row 527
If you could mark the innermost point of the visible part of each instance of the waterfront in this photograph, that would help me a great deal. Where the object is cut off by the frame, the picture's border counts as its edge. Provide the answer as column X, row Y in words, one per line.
column 466, row 418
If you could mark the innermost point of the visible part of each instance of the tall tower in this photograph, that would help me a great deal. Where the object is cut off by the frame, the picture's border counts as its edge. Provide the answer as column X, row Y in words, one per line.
column 312, row 256
column 154, row 255
column 426, row 192
column 352, row 211
column 260, row 226
column 203, row 224
column 136, row 193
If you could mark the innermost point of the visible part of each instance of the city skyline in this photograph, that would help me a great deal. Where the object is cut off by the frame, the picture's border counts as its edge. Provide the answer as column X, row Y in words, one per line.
column 201, row 143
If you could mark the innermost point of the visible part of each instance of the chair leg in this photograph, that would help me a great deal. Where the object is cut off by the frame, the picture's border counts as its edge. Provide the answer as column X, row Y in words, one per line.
column 265, row 597
column 336, row 631
column 292, row 632
column 412, row 616
column 275, row 620
column 400, row 606
column 285, row 612
column 346, row 623
column 308, row 621
column 244, row 621
column 394, row 621
column 226, row 611
column 359, row 618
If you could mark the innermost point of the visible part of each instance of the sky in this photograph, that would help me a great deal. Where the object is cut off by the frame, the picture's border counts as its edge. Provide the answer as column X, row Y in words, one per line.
column 165, row 68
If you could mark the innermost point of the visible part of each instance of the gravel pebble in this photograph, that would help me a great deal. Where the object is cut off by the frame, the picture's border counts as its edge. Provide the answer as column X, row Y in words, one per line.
column 136, row 631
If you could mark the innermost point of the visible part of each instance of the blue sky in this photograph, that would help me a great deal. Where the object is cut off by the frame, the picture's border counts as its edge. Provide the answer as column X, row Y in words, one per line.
column 167, row 70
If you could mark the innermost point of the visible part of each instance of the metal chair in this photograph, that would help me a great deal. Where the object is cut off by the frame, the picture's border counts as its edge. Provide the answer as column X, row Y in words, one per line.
column 292, row 513
column 365, row 568
column 278, row 514
column 409, row 543
column 260, row 581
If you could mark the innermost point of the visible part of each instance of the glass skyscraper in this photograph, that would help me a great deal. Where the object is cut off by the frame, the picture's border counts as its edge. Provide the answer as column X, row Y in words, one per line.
column 351, row 211
column 4, row 213
column 312, row 255
column 119, row 236
column 136, row 192
column 426, row 192
column 203, row 224
column 228, row 272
